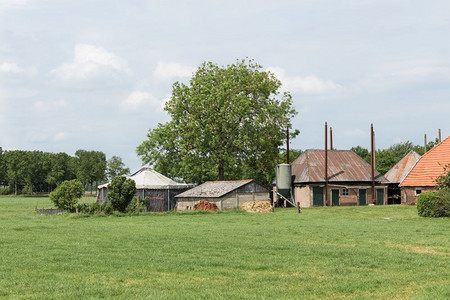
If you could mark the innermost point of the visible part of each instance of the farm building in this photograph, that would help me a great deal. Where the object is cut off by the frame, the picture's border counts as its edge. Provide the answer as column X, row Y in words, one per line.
column 423, row 175
column 396, row 175
column 157, row 190
column 225, row 194
column 349, row 180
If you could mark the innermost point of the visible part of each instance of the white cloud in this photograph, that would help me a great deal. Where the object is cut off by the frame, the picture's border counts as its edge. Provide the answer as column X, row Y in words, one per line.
column 10, row 68
column 91, row 62
column 138, row 100
column 307, row 85
column 8, row 4
column 46, row 106
column 61, row 136
column 169, row 70
column 394, row 74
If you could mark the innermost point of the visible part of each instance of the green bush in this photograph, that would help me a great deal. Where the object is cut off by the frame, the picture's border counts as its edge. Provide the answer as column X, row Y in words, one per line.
column 4, row 190
column 136, row 205
column 95, row 208
column 67, row 194
column 434, row 204
column 121, row 191
column 107, row 208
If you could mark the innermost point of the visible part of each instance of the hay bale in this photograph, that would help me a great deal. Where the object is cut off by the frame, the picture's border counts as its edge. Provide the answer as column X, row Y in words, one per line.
column 257, row 207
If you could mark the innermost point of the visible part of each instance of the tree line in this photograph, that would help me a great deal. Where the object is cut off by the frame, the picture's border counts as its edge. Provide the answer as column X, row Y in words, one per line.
column 28, row 172
column 385, row 159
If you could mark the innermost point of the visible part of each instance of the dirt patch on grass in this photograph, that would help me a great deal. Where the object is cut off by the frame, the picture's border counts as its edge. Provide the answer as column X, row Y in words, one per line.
column 418, row 249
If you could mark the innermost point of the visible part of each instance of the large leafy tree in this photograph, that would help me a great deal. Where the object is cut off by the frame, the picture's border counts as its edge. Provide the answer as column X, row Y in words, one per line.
column 2, row 167
column 227, row 123
column 17, row 168
column 115, row 167
column 91, row 166
column 61, row 169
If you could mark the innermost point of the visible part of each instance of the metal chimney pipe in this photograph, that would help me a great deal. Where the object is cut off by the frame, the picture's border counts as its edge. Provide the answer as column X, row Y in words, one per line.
column 331, row 138
column 326, row 165
column 372, row 159
column 287, row 146
column 439, row 134
column 425, row 143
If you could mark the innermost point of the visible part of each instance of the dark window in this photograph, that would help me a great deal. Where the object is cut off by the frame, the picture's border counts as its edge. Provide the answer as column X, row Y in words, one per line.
column 418, row 192
column 344, row 192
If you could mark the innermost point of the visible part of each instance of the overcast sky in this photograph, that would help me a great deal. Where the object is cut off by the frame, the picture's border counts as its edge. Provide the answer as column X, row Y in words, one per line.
column 94, row 75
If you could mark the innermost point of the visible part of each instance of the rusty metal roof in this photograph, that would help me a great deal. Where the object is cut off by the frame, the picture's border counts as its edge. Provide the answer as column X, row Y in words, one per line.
column 429, row 166
column 343, row 166
column 213, row 189
column 398, row 172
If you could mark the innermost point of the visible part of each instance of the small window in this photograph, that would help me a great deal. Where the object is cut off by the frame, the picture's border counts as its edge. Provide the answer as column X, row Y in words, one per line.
column 418, row 192
column 344, row 192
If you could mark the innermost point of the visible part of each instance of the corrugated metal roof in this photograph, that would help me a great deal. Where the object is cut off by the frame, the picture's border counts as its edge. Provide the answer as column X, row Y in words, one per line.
column 343, row 166
column 147, row 178
column 213, row 189
column 398, row 172
column 429, row 166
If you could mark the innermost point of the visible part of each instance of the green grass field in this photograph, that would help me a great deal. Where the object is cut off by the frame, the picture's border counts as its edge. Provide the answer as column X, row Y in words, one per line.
column 379, row 252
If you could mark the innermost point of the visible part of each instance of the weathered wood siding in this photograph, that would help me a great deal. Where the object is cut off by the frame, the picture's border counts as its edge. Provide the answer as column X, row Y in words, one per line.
column 247, row 193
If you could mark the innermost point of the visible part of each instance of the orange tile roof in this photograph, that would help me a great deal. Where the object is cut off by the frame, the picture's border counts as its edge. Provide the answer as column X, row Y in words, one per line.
column 429, row 166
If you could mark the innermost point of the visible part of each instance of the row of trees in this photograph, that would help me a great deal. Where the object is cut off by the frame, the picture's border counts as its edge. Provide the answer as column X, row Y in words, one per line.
column 38, row 171
column 387, row 158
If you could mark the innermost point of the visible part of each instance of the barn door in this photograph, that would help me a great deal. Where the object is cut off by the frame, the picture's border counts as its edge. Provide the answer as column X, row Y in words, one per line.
column 317, row 196
column 335, row 197
column 362, row 197
column 380, row 196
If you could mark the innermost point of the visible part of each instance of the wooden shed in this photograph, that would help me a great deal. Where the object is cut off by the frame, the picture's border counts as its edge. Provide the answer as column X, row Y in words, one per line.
column 349, row 180
column 225, row 194
column 396, row 175
column 157, row 190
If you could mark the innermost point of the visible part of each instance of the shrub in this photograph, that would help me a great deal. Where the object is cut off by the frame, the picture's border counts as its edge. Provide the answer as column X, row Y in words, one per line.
column 4, row 190
column 434, row 204
column 67, row 194
column 136, row 205
column 442, row 204
column 121, row 191
column 107, row 208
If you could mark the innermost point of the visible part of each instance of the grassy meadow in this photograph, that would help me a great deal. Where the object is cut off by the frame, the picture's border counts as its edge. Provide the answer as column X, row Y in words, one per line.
column 377, row 252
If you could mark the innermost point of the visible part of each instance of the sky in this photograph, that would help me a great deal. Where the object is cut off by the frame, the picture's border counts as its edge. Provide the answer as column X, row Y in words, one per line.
column 94, row 74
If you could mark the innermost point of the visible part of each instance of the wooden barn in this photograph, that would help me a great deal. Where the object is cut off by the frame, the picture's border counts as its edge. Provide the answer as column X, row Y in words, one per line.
column 225, row 194
column 349, row 180
column 423, row 175
column 157, row 190
column 396, row 175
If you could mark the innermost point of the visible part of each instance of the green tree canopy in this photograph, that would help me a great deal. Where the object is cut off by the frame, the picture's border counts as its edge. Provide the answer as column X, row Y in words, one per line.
column 227, row 123
column 120, row 192
column 116, row 167
column 91, row 166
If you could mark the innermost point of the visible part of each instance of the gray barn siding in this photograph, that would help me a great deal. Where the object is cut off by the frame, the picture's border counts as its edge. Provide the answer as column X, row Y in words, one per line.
column 158, row 200
column 247, row 193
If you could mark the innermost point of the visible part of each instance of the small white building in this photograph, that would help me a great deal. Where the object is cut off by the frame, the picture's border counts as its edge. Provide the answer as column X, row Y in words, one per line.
column 157, row 190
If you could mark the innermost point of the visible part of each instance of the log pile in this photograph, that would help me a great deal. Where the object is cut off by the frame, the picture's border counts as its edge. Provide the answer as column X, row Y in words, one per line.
column 206, row 205
column 257, row 207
